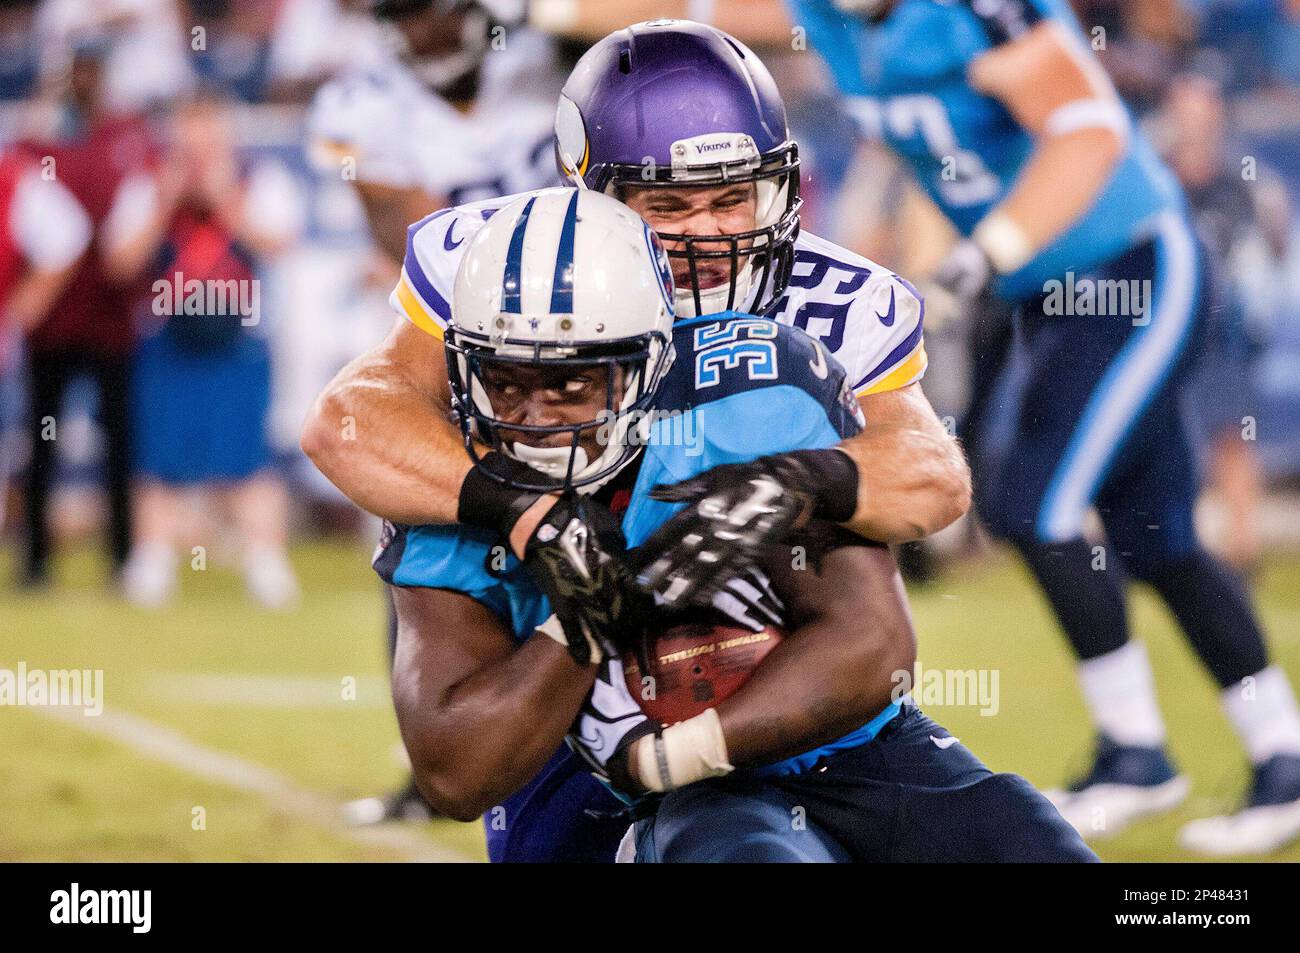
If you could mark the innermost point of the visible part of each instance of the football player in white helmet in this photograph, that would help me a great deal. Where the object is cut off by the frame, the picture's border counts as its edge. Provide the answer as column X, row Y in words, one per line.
column 560, row 338
column 564, row 365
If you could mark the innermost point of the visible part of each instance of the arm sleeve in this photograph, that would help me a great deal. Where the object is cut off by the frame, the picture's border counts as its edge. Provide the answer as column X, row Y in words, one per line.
column 133, row 204
column 48, row 223
column 884, row 339
column 353, row 121
column 434, row 246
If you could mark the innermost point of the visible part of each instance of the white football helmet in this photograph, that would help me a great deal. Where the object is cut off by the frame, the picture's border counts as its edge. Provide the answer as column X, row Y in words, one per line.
column 562, row 277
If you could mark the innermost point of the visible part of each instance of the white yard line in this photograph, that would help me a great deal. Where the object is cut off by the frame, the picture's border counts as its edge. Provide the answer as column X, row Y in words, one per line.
column 270, row 691
column 171, row 747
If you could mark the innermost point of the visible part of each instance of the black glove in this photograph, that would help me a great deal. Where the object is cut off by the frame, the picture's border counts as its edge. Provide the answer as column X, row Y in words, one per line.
column 736, row 511
column 965, row 273
column 577, row 558
column 575, row 555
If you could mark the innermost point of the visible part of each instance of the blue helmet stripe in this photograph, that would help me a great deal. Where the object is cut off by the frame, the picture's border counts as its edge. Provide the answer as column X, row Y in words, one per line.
column 562, row 285
column 511, row 285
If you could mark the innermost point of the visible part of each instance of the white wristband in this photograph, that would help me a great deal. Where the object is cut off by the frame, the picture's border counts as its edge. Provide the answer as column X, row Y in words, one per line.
column 686, row 752
column 553, row 628
column 1087, row 114
column 1005, row 242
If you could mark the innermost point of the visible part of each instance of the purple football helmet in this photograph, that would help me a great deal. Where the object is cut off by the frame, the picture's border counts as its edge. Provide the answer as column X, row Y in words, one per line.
column 674, row 103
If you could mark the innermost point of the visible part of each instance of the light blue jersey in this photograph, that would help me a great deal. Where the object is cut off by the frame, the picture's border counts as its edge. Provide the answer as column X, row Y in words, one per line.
column 905, row 80
column 741, row 387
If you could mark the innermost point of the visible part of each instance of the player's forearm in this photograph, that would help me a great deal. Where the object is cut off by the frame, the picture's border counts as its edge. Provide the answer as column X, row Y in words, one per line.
column 752, row 21
column 480, row 740
column 1061, row 181
column 834, row 672
column 390, row 209
column 911, row 482
column 1059, row 93
column 387, row 443
column 824, row 686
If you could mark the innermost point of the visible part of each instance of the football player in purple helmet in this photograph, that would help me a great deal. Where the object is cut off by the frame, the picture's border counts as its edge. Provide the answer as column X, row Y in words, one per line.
column 686, row 125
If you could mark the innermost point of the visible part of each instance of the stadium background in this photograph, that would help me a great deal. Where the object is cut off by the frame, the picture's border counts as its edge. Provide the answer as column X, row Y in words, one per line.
column 235, row 732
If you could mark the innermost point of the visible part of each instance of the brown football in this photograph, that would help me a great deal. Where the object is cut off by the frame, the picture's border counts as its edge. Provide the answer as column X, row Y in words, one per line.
column 695, row 666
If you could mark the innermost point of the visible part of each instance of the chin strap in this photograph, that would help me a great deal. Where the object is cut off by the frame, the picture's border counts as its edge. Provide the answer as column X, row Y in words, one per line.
column 551, row 461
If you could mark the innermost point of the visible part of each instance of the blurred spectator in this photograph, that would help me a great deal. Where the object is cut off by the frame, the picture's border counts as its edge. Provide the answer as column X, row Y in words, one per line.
column 1141, row 43
column 203, row 378
column 43, row 231
column 87, row 330
column 1248, row 44
column 317, row 39
column 1225, row 199
column 262, row 50
column 231, row 45
column 145, row 60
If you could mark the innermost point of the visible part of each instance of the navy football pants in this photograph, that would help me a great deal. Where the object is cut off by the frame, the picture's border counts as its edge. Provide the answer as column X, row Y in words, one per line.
column 1098, row 421
column 1097, row 417
column 913, row 794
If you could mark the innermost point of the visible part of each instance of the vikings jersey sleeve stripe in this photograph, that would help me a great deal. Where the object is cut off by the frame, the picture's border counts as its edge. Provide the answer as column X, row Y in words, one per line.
column 909, row 372
column 407, row 302
column 903, row 352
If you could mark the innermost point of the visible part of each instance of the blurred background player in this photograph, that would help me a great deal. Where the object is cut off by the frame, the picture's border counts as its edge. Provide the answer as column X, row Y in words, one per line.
column 202, row 381
column 1016, row 133
column 457, row 106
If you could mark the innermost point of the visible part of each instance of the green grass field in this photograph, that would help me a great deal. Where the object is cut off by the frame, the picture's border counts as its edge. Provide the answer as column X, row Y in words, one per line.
column 233, row 734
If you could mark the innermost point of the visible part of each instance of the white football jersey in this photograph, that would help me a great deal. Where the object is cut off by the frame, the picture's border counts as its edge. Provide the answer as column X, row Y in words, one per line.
column 869, row 318
column 393, row 130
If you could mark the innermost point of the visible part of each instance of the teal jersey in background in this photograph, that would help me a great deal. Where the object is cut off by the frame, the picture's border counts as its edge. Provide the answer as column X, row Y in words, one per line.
column 904, row 80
